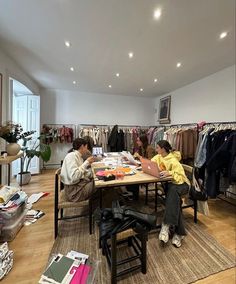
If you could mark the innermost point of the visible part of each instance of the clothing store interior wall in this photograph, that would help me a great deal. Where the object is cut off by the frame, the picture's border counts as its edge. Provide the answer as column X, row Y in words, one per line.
column 199, row 89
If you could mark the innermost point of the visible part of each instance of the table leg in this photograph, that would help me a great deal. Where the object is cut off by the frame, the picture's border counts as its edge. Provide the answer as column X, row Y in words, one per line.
column 155, row 197
column 9, row 174
column 0, row 174
column 100, row 198
column 21, row 170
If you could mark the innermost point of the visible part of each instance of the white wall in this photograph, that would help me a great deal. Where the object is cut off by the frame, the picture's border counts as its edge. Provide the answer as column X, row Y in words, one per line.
column 211, row 99
column 66, row 107
column 9, row 69
column 58, row 106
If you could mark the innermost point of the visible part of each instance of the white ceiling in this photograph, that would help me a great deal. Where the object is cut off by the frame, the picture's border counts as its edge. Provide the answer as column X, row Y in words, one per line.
column 103, row 32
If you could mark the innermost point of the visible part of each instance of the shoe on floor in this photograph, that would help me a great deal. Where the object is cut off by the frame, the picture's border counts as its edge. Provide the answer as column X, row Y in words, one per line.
column 176, row 241
column 164, row 233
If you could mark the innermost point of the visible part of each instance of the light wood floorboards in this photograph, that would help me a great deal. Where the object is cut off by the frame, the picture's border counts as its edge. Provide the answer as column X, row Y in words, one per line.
column 33, row 243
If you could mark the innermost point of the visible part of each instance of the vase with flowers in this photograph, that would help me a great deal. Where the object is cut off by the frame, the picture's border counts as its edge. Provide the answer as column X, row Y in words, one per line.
column 12, row 133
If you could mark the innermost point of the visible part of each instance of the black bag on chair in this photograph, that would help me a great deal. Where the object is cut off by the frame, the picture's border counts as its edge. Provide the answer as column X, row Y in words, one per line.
column 197, row 190
column 121, row 218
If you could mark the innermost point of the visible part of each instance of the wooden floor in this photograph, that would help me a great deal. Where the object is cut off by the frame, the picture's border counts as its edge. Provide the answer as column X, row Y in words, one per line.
column 33, row 243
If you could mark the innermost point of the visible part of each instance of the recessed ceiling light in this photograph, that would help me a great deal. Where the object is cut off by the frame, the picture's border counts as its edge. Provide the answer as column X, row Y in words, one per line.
column 117, row 74
column 74, row 82
column 110, row 86
column 179, row 64
column 141, row 90
column 67, row 43
column 157, row 14
column 223, row 35
column 71, row 68
column 131, row 54
column 155, row 80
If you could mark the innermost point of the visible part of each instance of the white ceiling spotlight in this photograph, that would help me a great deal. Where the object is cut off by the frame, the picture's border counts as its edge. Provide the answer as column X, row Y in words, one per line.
column 157, row 14
column 179, row 64
column 110, row 86
column 223, row 35
column 155, row 80
column 74, row 82
column 72, row 69
column 67, row 43
column 141, row 89
column 117, row 75
column 131, row 54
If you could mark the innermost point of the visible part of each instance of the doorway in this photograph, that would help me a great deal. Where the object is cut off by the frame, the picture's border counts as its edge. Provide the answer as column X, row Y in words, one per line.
column 26, row 111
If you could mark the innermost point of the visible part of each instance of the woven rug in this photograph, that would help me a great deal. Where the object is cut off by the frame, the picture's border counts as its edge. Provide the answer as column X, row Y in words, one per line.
column 200, row 255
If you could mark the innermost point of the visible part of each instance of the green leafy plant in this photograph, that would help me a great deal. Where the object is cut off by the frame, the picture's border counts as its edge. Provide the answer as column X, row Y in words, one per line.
column 12, row 132
column 38, row 149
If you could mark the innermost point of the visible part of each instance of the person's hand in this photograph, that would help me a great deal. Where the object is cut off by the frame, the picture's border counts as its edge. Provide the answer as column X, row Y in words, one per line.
column 136, row 155
column 91, row 160
column 164, row 174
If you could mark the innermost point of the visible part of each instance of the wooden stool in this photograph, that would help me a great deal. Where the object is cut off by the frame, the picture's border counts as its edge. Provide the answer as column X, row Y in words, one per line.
column 139, row 244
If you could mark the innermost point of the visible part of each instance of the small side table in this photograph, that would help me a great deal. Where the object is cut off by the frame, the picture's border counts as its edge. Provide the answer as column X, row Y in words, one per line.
column 7, row 161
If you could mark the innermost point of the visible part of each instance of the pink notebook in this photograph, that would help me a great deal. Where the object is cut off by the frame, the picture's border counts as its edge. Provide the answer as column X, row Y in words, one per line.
column 81, row 274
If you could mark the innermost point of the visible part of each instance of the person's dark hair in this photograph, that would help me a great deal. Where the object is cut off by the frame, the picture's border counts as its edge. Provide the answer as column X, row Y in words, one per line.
column 143, row 138
column 90, row 142
column 165, row 144
column 77, row 143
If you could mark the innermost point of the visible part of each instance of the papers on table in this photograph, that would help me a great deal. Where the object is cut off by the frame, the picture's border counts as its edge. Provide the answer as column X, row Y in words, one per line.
column 130, row 158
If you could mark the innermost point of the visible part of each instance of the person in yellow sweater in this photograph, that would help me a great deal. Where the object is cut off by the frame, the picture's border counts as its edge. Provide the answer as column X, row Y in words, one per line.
column 168, row 162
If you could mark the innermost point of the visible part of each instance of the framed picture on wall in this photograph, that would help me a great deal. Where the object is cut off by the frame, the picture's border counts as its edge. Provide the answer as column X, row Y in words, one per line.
column 0, row 98
column 164, row 110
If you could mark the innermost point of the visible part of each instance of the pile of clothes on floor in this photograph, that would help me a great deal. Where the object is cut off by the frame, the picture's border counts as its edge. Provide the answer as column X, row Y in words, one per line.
column 6, row 260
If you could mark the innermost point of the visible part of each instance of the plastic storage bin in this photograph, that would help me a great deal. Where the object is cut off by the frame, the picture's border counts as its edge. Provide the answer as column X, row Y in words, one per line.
column 9, row 232
column 9, row 217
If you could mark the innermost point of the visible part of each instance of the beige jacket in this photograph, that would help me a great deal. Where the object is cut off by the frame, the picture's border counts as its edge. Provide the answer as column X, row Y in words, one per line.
column 74, row 169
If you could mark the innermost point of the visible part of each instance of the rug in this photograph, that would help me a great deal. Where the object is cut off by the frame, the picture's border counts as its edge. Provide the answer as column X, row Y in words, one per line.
column 200, row 255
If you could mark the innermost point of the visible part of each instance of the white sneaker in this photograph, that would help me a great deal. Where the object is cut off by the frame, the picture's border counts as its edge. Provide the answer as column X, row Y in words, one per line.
column 164, row 233
column 176, row 241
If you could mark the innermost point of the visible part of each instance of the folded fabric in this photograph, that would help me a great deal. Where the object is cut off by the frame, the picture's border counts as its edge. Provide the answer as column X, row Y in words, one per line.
column 6, row 260
column 35, row 197
column 6, row 192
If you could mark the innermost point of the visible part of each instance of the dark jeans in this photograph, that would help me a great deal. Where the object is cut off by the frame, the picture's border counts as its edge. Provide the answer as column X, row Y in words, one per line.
column 173, row 211
column 134, row 188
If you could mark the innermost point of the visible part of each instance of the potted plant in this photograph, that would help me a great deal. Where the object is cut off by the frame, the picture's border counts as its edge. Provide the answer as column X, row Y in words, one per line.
column 12, row 133
column 38, row 149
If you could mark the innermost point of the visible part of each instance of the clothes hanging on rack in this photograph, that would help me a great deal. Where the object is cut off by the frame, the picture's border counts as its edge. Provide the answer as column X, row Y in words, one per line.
column 58, row 133
column 183, row 139
column 215, row 157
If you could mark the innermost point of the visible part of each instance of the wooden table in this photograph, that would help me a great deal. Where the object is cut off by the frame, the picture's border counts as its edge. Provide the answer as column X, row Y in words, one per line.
column 7, row 161
column 139, row 178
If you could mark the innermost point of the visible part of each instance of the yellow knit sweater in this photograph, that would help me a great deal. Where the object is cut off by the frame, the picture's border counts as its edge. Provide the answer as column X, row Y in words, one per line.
column 171, row 164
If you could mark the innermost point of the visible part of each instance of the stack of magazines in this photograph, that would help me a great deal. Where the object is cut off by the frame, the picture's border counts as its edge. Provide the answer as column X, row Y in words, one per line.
column 69, row 269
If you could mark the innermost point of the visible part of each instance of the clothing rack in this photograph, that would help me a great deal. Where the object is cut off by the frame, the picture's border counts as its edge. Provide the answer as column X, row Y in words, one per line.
column 229, row 122
column 181, row 124
column 58, row 125
column 224, row 193
column 119, row 125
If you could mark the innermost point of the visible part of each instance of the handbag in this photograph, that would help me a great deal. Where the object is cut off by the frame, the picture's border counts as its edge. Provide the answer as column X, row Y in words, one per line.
column 197, row 190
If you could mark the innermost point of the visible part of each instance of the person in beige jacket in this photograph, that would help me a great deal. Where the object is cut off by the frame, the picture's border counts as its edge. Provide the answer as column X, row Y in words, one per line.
column 76, row 173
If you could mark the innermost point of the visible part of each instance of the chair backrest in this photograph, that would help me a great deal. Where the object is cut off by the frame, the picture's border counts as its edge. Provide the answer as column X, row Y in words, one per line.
column 188, row 171
column 58, row 185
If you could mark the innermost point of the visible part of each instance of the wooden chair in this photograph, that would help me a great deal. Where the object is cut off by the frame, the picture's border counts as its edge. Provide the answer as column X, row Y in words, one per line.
column 138, row 242
column 189, row 173
column 160, row 191
column 60, row 204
